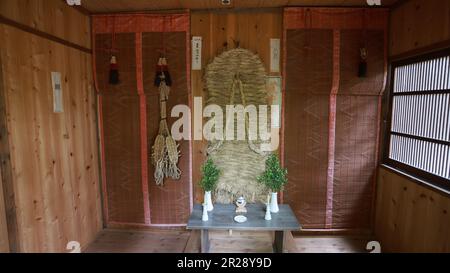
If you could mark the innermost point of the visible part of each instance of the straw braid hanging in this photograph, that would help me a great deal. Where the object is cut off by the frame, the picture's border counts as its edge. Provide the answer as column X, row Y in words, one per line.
column 237, row 77
column 165, row 152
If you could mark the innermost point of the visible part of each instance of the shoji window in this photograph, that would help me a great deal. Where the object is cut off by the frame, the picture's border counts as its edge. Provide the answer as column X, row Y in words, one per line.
column 419, row 135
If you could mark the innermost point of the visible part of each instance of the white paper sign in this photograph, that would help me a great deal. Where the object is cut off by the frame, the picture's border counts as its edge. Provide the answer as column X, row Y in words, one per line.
column 273, row 87
column 196, row 53
column 275, row 55
column 58, row 105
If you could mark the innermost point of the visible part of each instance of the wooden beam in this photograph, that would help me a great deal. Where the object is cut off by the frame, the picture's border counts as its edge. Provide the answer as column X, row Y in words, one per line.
column 398, row 4
column 159, row 11
column 12, row 23
column 416, row 180
column 6, row 170
column 442, row 45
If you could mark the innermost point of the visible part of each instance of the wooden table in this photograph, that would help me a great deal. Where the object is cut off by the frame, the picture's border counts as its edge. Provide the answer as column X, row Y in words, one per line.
column 222, row 218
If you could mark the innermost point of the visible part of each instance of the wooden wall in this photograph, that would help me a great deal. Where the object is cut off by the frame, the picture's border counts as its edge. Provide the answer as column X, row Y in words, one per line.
column 102, row 6
column 50, row 16
column 411, row 217
column 253, row 30
column 4, row 243
column 418, row 24
column 54, row 170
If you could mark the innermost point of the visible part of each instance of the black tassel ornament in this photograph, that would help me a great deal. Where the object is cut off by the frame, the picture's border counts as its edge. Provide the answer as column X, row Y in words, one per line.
column 113, row 71
column 362, row 71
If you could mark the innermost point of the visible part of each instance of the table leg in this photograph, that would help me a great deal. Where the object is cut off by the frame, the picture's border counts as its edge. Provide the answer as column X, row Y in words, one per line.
column 278, row 245
column 204, row 241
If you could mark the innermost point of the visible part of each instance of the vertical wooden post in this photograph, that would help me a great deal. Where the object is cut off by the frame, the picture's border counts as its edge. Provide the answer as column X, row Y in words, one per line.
column 4, row 242
column 278, row 245
column 6, row 170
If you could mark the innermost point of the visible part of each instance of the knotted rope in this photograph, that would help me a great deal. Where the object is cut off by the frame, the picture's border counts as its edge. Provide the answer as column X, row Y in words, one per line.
column 165, row 152
column 237, row 84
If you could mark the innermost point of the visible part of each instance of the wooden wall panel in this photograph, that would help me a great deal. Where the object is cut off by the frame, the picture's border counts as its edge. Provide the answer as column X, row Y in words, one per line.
column 130, row 117
column 323, row 56
column 308, row 84
column 355, row 161
column 123, row 158
column 310, row 63
column 50, row 16
column 419, row 24
column 169, row 204
column 411, row 217
column 54, row 157
column 252, row 29
column 108, row 6
column 4, row 242
column 306, row 157
column 356, row 128
column 373, row 83
column 6, row 169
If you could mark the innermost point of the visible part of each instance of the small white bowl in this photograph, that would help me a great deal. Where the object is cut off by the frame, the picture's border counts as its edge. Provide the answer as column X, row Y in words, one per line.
column 240, row 219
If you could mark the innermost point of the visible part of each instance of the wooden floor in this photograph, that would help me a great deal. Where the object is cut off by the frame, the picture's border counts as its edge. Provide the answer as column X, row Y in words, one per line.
column 120, row 241
column 331, row 244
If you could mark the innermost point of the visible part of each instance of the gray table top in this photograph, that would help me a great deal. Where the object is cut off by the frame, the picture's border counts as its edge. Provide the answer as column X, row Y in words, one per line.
column 222, row 218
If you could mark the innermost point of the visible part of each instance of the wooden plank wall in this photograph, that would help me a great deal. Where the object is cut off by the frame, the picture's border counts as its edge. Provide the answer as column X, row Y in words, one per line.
column 50, row 16
column 54, row 157
column 4, row 243
column 418, row 24
column 102, row 6
column 409, row 216
column 253, row 30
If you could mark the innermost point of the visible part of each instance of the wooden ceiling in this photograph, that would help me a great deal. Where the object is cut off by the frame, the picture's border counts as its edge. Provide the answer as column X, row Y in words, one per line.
column 108, row 6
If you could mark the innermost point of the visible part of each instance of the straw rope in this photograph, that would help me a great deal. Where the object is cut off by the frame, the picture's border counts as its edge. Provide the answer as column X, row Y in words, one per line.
column 237, row 77
column 165, row 152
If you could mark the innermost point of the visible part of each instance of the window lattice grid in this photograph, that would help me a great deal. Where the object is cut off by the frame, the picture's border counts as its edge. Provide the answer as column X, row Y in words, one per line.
column 431, row 75
column 427, row 156
column 426, row 116
column 420, row 117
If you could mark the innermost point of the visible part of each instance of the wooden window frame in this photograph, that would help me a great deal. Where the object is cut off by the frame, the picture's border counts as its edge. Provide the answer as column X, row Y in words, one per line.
column 432, row 179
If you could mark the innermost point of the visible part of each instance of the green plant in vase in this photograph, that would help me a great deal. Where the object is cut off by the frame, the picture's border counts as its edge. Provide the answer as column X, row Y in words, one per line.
column 209, row 180
column 274, row 178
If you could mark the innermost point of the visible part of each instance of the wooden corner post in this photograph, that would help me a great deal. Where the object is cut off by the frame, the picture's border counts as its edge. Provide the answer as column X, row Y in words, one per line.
column 6, row 170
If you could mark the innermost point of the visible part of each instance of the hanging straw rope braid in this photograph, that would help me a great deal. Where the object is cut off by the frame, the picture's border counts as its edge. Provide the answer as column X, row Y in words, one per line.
column 165, row 152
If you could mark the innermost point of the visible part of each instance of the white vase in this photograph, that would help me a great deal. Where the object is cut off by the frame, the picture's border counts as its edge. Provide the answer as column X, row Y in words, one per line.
column 274, row 203
column 205, row 214
column 208, row 201
column 268, row 217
